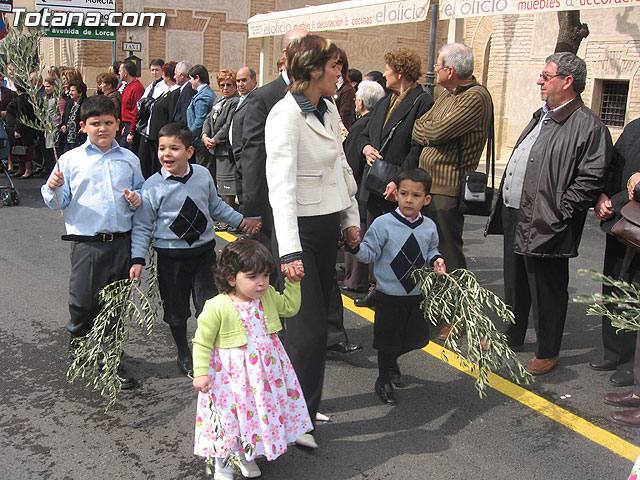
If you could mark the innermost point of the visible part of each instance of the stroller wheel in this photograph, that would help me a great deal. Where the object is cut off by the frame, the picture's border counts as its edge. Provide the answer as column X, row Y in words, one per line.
column 6, row 198
column 15, row 197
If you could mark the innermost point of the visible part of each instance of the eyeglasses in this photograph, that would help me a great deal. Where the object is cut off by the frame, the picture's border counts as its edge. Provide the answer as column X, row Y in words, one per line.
column 437, row 67
column 548, row 76
column 222, row 85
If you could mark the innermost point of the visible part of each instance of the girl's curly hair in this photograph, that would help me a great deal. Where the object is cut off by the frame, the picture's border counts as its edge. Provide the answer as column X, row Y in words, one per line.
column 243, row 255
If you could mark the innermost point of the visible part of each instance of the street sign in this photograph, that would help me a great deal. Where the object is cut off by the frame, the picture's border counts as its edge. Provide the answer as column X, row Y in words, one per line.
column 82, row 33
column 77, row 5
column 131, row 46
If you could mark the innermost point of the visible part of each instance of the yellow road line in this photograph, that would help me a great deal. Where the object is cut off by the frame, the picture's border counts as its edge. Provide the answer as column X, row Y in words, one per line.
column 227, row 236
column 548, row 409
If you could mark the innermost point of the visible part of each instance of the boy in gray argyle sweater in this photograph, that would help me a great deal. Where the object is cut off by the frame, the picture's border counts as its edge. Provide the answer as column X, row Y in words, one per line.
column 179, row 206
column 397, row 243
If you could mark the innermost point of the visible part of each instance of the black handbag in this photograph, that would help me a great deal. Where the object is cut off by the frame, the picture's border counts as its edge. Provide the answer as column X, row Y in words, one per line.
column 476, row 196
column 377, row 177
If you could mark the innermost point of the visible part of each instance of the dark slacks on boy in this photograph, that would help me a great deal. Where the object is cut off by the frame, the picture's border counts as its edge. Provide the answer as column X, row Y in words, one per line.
column 94, row 265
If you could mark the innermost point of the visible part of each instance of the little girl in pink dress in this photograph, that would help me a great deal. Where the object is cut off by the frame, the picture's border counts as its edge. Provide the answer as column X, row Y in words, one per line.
column 250, row 401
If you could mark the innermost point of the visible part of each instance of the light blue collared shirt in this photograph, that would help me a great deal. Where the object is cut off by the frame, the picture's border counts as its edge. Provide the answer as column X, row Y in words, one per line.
column 93, row 190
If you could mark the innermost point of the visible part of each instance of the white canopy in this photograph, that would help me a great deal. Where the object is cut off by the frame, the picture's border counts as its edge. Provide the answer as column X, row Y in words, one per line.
column 339, row 16
column 479, row 8
column 333, row 16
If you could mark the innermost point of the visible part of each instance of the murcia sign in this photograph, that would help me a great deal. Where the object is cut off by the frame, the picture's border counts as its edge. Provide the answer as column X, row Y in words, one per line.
column 77, row 5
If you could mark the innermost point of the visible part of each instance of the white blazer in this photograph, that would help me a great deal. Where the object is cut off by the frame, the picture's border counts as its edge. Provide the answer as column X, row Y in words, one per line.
column 307, row 171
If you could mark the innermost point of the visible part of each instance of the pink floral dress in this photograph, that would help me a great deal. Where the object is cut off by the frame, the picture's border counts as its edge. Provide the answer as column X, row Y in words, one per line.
column 255, row 392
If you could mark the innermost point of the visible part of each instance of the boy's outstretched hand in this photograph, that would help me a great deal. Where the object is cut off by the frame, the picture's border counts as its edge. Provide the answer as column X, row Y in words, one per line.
column 439, row 267
column 132, row 197
column 56, row 180
column 135, row 271
column 202, row 384
column 251, row 226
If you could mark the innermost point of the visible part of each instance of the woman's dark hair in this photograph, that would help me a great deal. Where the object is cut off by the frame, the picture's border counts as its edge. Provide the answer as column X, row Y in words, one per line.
column 417, row 175
column 109, row 78
column 156, row 62
column 376, row 76
column 169, row 70
column 199, row 71
column 306, row 57
column 342, row 58
column 81, row 87
column 243, row 255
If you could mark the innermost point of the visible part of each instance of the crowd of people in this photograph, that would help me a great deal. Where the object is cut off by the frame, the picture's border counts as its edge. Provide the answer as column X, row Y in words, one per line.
column 291, row 164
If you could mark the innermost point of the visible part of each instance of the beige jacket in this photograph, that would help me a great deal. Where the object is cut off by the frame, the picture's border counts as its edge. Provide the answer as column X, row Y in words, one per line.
column 307, row 171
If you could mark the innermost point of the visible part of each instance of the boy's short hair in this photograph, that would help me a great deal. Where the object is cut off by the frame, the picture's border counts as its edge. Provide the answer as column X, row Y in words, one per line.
column 156, row 62
column 243, row 255
column 130, row 68
column 417, row 175
column 97, row 105
column 199, row 71
column 179, row 130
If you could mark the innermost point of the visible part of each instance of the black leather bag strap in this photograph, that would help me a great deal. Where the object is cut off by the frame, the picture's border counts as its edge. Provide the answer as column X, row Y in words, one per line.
column 389, row 136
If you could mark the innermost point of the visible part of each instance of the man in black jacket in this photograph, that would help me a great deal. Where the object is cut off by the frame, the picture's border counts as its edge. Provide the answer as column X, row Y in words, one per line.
column 186, row 92
column 555, row 174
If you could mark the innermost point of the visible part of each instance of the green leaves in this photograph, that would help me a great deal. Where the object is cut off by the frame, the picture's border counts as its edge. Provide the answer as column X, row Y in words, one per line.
column 461, row 301
column 622, row 306
column 96, row 356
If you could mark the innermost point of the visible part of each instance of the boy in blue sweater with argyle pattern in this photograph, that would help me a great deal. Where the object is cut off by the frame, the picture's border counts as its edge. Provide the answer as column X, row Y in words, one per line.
column 397, row 243
column 179, row 206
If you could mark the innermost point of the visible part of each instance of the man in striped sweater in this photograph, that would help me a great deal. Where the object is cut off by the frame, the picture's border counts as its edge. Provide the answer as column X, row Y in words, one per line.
column 453, row 134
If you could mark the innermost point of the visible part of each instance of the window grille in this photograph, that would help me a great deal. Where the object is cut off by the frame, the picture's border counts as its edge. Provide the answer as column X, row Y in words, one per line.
column 614, row 102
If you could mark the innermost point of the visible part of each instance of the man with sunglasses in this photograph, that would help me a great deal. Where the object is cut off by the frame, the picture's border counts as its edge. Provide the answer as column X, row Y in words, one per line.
column 555, row 174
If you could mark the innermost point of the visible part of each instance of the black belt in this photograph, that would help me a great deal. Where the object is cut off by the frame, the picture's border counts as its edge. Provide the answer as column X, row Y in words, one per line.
column 100, row 237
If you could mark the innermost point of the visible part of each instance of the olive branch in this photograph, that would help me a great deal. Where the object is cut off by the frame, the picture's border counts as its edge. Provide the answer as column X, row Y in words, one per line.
column 21, row 47
column 465, row 304
column 622, row 306
column 231, row 458
column 96, row 356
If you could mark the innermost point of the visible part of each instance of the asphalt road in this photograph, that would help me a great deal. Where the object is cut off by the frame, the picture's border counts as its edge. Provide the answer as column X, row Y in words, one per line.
column 441, row 429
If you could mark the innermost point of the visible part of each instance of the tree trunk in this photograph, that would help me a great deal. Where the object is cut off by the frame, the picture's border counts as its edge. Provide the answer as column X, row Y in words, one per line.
column 571, row 31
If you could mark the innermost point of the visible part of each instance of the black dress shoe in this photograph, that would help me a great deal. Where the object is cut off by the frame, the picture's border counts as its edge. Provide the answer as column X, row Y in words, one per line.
column 185, row 364
column 396, row 376
column 385, row 392
column 603, row 365
column 353, row 290
column 126, row 382
column 344, row 348
column 369, row 300
column 622, row 378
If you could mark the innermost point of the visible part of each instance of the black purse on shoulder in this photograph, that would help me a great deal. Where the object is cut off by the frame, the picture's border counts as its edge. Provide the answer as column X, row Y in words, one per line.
column 476, row 196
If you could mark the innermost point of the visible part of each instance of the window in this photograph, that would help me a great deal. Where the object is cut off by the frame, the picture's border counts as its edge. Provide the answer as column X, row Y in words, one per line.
column 613, row 108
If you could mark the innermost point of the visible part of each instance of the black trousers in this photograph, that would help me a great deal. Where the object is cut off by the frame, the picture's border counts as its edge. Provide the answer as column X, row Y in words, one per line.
column 180, row 279
column 93, row 267
column 335, row 316
column 619, row 347
column 541, row 283
column 148, row 155
column 306, row 333
column 444, row 211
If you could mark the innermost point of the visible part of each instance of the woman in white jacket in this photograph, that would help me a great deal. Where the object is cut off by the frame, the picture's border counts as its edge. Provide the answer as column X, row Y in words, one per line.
column 312, row 193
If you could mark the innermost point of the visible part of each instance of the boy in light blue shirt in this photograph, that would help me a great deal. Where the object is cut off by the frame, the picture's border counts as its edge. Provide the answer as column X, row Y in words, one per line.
column 98, row 185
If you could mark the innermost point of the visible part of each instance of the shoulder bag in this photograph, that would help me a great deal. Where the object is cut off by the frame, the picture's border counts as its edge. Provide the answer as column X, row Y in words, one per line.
column 476, row 196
